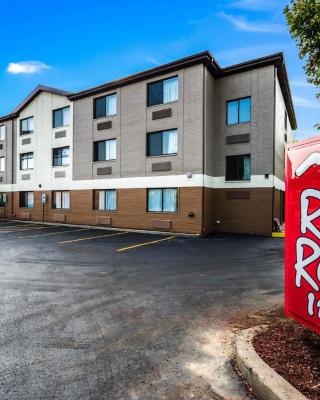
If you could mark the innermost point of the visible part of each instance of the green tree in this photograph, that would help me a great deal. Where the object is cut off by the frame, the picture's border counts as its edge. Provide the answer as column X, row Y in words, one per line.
column 303, row 17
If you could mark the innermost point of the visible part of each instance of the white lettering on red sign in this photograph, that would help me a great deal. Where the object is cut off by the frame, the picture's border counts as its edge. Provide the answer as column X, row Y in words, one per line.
column 303, row 264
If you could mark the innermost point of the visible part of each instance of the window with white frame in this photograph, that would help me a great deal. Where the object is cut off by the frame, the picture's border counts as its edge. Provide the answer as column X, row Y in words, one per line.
column 26, row 199
column 105, row 106
column 163, row 200
column 2, row 164
column 105, row 150
column 107, row 200
column 2, row 132
column 61, row 200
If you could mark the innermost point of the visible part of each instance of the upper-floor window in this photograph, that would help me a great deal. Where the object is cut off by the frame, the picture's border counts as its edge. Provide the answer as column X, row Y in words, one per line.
column 2, row 132
column 61, row 117
column 26, row 161
column 26, row 126
column 2, row 164
column 107, row 200
column 162, row 200
column 61, row 200
column 105, row 150
column 164, row 91
column 162, row 143
column 238, row 168
column 26, row 199
column 61, row 156
column 105, row 106
column 239, row 111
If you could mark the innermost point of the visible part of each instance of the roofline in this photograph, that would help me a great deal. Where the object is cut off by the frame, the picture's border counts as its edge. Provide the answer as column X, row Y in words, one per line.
column 8, row 117
column 200, row 58
column 208, row 60
column 204, row 57
column 278, row 61
column 35, row 92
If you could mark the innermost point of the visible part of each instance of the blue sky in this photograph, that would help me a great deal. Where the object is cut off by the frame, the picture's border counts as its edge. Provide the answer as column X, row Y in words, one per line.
column 73, row 45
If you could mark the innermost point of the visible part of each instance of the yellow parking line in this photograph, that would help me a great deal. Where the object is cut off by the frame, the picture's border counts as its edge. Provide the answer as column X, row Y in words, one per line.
column 93, row 237
column 145, row 244
column 29, row 229
column 53, row 233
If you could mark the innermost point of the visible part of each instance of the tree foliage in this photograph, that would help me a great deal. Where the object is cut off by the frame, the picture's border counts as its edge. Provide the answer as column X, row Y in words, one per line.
column 303, row 17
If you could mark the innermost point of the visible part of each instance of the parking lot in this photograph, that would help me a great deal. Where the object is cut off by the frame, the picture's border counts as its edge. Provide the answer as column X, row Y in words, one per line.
column 98, row 314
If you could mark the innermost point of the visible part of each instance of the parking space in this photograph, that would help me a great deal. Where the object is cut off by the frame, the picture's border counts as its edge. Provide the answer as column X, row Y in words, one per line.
column 65, row 235
column 91, row 313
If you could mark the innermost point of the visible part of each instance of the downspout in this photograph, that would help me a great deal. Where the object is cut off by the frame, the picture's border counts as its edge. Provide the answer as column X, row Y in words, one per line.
column 204, row 110
column 274, row 143
column 12, row 163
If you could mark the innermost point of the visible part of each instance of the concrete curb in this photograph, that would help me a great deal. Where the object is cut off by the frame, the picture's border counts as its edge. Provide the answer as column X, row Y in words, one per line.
column 107, row 228
column 267, row 383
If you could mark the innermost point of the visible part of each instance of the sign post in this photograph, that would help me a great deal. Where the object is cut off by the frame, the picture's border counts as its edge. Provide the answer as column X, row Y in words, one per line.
column 302, row 243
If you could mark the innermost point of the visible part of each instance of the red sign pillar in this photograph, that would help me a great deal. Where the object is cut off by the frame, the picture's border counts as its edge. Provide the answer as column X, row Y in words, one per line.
column 302, row 242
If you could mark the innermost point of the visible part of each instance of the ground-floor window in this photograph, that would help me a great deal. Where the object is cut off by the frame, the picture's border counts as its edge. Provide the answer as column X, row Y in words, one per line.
column 106, row 200
column 162, row 200
column 1, row 200
column 26, row 199
column 238, row 168
column 61, row 200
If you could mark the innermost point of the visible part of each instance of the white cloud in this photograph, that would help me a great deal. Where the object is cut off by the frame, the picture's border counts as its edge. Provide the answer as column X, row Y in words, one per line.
column 306, row 103
column 253, row 4
column 242, row 24
column 152, row 60
column 27, row 67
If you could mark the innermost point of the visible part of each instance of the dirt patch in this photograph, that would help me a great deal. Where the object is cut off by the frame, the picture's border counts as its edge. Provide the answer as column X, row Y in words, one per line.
column 294, row 352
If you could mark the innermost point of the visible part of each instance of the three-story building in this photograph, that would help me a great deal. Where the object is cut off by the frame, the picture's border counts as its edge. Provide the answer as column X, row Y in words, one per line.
column 185, row 147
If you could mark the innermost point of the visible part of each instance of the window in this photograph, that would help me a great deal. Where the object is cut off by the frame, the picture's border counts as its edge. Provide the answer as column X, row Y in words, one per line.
column 61, row 117
column 238, row 168
column 162, row 200
column 162, row 143
column 26, row 161
column 107, row 200
column 26, row 199
column 164, row 91
column 239, row 111
column 285, row 120
column 61, row 200
column 61, row 156
column 26, row 126
column 105, row 106
column 2, row 203
column 105, row 150
column 2, row 132
column 2, row 164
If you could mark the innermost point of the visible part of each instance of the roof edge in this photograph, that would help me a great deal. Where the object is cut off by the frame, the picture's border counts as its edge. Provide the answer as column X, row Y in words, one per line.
column 199, row 58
